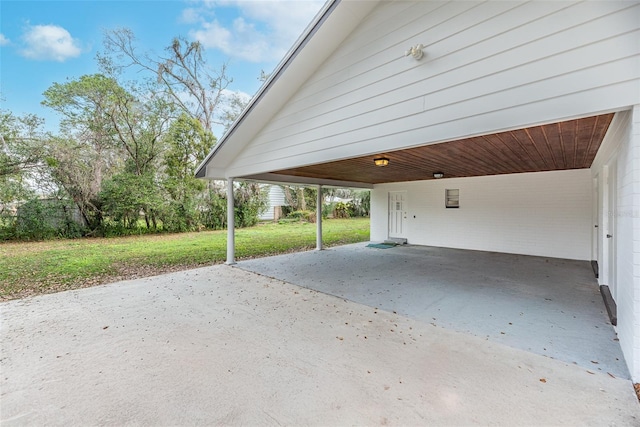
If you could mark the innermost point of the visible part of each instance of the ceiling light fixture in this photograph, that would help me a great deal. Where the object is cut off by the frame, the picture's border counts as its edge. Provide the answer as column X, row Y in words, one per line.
column 381, row 161
column 438, row 175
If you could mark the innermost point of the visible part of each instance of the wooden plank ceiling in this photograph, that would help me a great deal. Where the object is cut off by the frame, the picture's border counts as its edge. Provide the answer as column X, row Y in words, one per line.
column 565, row 145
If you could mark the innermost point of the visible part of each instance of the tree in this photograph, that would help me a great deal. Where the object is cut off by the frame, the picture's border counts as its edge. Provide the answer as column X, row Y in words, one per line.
column 187, row 145
column 183, row 73
column 197, row 89
column 20, row 142
column 76, row 168
column 361, row 203
column 139, row 121
column 300, row 198
column 126, row 194
column 107, row 129
column 87, row 149
column 21, row 153
column 234, row 105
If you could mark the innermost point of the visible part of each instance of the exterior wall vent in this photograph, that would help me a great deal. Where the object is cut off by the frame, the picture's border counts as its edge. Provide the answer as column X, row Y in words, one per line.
column 452, row 198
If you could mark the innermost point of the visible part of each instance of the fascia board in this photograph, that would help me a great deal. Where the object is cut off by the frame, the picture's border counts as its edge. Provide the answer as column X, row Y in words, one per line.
column 272, row 178
column 311, row 29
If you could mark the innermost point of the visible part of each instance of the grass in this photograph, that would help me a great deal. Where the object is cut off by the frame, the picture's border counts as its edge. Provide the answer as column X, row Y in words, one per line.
column 42, row 267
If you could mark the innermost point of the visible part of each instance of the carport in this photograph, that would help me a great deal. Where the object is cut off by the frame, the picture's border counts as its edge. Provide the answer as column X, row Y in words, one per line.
column 546, row 306
column 509, row 127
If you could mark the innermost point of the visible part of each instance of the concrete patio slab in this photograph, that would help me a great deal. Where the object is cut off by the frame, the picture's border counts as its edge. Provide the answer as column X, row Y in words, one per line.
column 548, row 306
column 219, row 345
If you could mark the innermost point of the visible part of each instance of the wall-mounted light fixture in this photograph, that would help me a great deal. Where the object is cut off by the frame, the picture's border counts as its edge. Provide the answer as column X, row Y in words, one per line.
column 438, row 175
column 381, row 161
column 415, row 51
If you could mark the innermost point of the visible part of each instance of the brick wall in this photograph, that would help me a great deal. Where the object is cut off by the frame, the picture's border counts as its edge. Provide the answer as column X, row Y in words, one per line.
column 617, row 166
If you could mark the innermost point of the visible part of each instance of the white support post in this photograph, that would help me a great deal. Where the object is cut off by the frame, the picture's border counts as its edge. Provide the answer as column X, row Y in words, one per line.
column 231, row 235
column 319, row 220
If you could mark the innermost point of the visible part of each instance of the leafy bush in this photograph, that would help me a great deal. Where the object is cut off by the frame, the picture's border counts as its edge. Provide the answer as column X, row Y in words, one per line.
column 179, row 217
column 287, row 220
column 214, row 213
column 326, row 208
column 341, row 210
column 249, row 203
column 126, row 195
column 46, row 219
column 111, row 228
column 308, row 216
column 7, row 227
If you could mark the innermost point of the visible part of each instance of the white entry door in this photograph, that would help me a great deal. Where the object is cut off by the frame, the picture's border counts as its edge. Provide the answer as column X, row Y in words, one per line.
column 397, row 213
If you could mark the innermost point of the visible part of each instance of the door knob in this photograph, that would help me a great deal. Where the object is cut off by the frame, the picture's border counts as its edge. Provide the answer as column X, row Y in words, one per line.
column 609, row 236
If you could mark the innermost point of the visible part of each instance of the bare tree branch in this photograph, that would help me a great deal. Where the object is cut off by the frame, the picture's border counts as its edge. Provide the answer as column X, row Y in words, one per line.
column 183, row 72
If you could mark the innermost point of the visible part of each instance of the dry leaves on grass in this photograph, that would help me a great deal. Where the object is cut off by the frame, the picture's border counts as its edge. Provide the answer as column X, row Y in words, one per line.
column 128, row 272
column 124, row 272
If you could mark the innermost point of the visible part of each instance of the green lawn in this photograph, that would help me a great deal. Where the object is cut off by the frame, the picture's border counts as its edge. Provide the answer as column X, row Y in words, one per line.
column 43, row 267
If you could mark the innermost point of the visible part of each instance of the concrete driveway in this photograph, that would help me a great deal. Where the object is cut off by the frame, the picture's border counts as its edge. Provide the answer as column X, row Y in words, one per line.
column 220, row 346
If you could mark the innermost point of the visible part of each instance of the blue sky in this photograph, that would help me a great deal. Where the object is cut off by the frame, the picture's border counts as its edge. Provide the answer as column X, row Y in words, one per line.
column 43, row 42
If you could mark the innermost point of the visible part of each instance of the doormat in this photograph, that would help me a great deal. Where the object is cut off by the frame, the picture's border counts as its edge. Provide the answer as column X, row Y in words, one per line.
column 380, row 245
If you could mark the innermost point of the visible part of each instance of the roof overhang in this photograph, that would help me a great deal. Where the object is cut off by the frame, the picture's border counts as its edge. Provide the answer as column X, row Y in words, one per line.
column 569, row 142
column 325, row 33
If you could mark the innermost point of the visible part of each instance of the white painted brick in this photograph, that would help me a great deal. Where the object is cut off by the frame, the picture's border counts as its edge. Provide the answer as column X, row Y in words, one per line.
column 622, row 145
column 546, row 213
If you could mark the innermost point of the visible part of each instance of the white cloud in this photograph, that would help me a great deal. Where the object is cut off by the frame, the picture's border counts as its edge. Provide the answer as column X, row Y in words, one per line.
column 3, row 40
column 241, row 40
column 190, row 16
column 49, row 42
column 227, row 95
column 264, row 31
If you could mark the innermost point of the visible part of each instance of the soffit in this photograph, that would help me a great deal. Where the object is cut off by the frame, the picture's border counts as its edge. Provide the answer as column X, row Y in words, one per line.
column 564, row 145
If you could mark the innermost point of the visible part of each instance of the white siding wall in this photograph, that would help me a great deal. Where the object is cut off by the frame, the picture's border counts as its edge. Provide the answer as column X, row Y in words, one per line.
column 545, row 213
column 488, row 66
column 622, row 147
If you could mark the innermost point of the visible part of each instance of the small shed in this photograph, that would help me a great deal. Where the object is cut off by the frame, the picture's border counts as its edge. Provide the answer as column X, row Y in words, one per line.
column 276, row 202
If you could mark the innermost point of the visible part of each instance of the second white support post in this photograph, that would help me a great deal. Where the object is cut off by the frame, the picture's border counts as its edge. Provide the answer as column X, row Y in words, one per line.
column 231, row 235
column 319, row 220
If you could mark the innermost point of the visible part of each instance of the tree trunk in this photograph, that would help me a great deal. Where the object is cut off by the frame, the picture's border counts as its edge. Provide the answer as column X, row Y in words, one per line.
column 302, row 203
